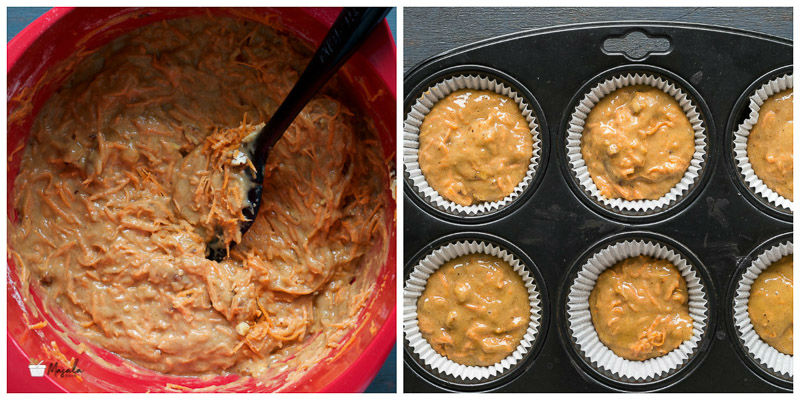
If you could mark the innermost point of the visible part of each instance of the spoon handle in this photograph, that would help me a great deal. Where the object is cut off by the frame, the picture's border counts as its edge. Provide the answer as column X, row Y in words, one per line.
column 351, row 28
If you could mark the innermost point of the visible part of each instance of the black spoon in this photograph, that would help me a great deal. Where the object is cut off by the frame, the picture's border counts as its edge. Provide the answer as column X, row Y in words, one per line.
column 351, row 28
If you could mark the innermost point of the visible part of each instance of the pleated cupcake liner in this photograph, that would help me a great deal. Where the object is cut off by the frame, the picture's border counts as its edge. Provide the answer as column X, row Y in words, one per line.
column 575, row 133
column 742, row 160
column 766, row 356
column 411, row 129
column 415, row 286
column 579, row 318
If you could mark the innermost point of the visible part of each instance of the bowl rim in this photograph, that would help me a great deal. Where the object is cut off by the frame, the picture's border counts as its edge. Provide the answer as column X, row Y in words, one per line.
column 372, row 358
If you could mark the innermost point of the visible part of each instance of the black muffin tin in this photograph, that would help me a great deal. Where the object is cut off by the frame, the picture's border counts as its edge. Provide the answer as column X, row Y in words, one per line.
column 719, row 222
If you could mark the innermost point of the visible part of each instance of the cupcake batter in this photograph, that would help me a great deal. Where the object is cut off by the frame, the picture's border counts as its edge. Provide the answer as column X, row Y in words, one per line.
column 474, row 310
column 637, row 143
column 102, row 232
column 769, row 145
column 640, row 308
column 474, row 146
column 770, row 305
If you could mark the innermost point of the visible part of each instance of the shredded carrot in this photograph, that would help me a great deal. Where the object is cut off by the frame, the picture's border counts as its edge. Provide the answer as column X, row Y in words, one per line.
column 38, row 325
column 175, row 387
column 101, row 219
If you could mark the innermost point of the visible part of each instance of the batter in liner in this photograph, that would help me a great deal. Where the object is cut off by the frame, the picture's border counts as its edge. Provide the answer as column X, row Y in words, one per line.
column 474, row 310
column 637, row 143
column 770, row 305
column 769, row 145
column 640, row 308
column 474, row 146
column 101, row 229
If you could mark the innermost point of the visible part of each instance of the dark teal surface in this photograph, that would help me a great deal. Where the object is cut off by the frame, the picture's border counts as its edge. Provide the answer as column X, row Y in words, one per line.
column 20, row 17
column 429, row 31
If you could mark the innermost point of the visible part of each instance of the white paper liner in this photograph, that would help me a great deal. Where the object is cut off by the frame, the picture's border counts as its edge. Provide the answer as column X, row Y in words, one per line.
column 579, row 317
column 575, row 132
column 740, row 142
column 767, row 356
column 415, row 285
column 423, row 106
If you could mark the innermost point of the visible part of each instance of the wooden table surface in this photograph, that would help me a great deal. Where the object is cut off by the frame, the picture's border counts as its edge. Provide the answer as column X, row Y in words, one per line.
column 430, row 31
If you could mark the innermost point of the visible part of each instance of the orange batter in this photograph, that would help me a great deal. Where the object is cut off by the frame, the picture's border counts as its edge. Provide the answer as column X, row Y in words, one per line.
column 108, row 173
column 770, row 305
column 637, row 143
column 212, row 182
column 769, row 145
column 474, row 310
column 474, row 146
column 640, row 308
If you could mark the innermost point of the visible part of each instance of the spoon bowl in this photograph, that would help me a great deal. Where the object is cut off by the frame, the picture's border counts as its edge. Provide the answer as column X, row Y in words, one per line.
column 351, row 28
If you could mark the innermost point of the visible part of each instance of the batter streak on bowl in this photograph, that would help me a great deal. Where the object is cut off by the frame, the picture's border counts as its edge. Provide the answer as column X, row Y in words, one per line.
column 100, row 235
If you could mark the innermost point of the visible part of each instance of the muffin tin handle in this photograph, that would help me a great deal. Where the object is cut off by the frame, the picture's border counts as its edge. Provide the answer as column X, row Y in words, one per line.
column 636, row 45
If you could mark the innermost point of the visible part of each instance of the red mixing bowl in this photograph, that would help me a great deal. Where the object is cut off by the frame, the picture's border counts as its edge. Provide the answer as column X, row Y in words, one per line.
column 370, row 77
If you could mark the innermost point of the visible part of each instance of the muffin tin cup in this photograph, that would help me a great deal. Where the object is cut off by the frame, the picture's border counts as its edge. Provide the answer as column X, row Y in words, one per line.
column 764, row 356
column 479, row 80
column 577, row 120
column 440, row 366
column 583, row 335
column 743, row 166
